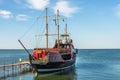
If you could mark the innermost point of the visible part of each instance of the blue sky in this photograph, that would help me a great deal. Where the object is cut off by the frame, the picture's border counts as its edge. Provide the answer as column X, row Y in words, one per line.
column 93, row 24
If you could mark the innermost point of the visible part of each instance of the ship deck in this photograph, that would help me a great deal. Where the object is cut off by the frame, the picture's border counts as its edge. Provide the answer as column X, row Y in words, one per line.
column 57, row 50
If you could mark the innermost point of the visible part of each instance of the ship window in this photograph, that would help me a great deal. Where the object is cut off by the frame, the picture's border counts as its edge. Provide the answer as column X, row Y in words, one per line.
column 64, row 46
column 68, row 46
column 61, row 46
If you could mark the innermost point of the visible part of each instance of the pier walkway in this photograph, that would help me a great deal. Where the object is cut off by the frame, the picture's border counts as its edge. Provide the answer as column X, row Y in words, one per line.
column 14, row 68
column 15, row 64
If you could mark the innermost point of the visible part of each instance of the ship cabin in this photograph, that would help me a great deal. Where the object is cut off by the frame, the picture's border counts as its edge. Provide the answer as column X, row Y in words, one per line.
column 64, row 47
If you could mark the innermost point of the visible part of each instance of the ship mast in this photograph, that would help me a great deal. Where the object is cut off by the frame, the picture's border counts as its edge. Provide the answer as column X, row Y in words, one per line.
column 58, row 17
column 66, row 30
column 46, row 29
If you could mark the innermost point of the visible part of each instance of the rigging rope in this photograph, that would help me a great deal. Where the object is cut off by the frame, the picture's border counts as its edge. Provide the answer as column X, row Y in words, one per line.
column 41, row 30
column 27, row 30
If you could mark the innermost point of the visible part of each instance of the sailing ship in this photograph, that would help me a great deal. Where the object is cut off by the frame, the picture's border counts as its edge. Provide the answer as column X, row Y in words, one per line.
column 61, row 56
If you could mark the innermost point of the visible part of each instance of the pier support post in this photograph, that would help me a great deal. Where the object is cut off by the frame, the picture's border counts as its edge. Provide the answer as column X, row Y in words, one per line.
column 4, row 70
column 13, row 69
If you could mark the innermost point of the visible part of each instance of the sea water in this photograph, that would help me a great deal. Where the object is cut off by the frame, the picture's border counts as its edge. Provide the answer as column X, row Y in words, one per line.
column 91, row 64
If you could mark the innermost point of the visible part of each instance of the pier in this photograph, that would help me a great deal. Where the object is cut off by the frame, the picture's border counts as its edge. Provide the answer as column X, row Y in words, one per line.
column 13, row 69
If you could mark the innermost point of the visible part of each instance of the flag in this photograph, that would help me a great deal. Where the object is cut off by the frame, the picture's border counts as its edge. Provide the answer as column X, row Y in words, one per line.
column 58, row 17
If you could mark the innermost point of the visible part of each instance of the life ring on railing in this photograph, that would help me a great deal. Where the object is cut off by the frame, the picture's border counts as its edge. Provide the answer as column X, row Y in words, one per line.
column 43, row 53
column 37, row 54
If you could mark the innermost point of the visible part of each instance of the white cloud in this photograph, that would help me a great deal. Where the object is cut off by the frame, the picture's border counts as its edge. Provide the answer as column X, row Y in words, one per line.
column 118, row 10
column 37, row 4
column 5, row 14
column 65, row 8
column 22, row 17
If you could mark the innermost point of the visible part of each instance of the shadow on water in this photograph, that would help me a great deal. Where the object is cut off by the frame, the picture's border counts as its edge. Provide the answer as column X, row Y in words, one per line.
column 64, row 75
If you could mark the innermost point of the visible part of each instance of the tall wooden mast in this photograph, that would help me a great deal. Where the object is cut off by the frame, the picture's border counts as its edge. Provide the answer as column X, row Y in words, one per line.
column 58, row 17
column 46, row 28
column 66, row 30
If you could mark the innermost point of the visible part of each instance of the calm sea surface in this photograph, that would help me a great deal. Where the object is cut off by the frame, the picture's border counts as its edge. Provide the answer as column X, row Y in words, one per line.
column 91, row 64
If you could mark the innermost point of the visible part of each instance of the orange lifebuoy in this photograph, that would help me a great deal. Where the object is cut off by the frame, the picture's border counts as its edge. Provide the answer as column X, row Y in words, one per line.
column 37, row 54
column 43, row 54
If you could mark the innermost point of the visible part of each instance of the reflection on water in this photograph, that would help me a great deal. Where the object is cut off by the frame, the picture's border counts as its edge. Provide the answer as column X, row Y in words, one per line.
column 57, row 76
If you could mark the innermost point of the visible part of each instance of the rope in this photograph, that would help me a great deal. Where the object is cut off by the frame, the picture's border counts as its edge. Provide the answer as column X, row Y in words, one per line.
column 40, row 30
column 31, row 26
column 28, row 30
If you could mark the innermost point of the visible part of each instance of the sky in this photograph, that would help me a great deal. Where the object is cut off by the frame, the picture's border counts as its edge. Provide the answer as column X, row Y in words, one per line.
column 93, row 24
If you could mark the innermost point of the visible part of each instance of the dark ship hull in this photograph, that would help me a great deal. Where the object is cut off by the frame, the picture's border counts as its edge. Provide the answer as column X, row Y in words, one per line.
column 54, row 66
